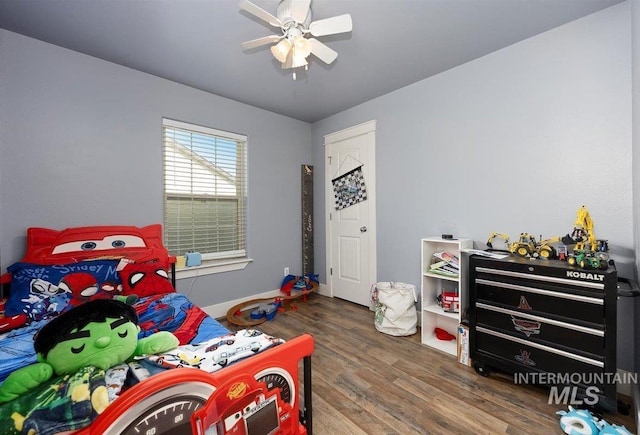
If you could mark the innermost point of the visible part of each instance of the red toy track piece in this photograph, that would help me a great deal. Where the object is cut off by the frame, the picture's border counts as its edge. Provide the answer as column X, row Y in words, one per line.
column 284, row 302
column 286, row 288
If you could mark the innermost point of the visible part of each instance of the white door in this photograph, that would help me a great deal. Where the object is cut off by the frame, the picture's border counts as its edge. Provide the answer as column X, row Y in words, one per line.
column 351, row 231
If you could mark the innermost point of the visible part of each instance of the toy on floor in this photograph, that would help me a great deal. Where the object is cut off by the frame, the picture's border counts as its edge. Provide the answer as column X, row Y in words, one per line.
column 608, row 429
column 293, row 287
column 292, row 283
column 99, row 333
column 266, row 310
column 582, row 422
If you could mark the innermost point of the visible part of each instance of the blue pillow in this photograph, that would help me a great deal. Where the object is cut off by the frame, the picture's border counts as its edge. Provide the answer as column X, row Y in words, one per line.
column 44, row 291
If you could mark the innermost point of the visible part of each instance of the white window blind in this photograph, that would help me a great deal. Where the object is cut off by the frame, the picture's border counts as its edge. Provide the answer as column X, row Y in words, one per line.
column 205, row 191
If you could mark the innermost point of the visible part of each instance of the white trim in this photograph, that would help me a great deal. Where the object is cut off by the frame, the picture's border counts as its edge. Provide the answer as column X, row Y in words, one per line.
column 325, row 290
column 356, row 130
column 202, row 129
column 624, row 388
column 220, row 310
column 211, row 267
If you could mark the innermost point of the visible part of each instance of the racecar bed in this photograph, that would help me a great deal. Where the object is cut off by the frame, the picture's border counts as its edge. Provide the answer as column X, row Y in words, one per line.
column 215, row 381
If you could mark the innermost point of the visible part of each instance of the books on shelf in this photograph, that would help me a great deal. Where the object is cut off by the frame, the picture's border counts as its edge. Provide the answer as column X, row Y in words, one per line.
column 445, row 263
column 444, row 273
column 449, row 258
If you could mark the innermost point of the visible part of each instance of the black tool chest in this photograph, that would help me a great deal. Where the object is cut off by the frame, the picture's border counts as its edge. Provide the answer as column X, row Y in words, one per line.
column 543, row 316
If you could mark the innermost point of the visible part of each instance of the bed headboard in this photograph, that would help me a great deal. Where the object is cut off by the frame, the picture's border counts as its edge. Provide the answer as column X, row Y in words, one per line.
column 47, row 246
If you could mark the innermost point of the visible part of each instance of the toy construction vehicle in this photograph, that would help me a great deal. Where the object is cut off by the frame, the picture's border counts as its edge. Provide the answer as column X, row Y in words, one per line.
column 547, row 251
column 494, row 236
column 527, row 245
column 588, row 252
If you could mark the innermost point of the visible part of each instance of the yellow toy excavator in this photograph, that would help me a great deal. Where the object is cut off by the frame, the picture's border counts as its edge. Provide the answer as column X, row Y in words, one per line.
column 588, row 252
column 493, row 236
column 526, row 245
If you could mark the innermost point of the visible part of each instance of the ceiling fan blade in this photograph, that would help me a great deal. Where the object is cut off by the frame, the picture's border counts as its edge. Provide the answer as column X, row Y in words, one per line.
column 261, row 41
column 331, row 26
column 259, row 12
column 322, row 51
column 300, row 9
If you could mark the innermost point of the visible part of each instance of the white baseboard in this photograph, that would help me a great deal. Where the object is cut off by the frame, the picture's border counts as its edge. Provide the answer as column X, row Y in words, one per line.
column 625, row 389
column 218, row 311
column 324, row 290
column 635, row 409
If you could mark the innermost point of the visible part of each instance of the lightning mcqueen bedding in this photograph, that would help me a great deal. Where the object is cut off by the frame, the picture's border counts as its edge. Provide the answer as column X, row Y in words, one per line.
column 64, row 269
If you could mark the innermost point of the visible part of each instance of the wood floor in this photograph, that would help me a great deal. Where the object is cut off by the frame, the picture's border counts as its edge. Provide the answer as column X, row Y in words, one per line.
column 366, row 382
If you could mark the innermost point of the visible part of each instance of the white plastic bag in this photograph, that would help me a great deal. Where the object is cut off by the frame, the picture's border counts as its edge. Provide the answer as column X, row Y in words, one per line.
column 395, row 308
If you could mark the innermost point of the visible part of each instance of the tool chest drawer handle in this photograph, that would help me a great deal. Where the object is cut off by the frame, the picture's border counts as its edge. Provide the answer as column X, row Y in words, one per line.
column 563, row 353
column 553, row 279
column 540, row 291
column 522, row 315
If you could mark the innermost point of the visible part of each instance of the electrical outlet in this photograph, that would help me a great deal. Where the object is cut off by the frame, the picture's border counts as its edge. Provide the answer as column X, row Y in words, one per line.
column 286, row 271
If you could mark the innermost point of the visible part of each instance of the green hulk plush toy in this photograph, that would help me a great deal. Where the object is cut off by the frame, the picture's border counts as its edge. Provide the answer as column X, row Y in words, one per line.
column 100, row 333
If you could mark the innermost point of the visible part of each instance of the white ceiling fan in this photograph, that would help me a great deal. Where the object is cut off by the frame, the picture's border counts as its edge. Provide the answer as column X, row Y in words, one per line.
column 293, row 47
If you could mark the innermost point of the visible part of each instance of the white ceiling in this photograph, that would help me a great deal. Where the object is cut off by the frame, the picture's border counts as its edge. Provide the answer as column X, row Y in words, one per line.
column 197, row 42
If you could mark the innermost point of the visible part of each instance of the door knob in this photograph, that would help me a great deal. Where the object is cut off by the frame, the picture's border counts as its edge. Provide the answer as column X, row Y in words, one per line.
column 363, row 229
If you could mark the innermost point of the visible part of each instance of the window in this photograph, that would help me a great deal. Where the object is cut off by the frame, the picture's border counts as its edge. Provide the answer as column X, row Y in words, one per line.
column 205, row 191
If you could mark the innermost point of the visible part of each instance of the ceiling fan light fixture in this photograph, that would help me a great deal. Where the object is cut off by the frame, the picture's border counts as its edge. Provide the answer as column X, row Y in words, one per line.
column 294, row 18
column 281, row 50
column 302, row 46
column 298, row 60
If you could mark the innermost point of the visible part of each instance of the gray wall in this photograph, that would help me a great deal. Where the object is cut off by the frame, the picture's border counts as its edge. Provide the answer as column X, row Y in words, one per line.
column 515, row 141
column 512, row 142
column 80, row 144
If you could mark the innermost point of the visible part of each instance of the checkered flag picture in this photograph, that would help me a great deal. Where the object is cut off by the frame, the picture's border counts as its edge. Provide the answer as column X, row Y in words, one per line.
column 349, row 188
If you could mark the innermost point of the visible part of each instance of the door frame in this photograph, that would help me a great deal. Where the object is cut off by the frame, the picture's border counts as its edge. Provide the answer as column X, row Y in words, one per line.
column 368, row 127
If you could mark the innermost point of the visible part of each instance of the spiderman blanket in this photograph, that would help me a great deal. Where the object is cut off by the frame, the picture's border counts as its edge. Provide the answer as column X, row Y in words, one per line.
column 175, row 313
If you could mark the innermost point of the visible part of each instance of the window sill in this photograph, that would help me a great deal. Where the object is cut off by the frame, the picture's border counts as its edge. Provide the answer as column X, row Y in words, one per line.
column 209, row 267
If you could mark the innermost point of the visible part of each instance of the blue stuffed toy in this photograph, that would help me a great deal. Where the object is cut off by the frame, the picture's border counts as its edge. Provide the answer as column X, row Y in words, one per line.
column 582, row 422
